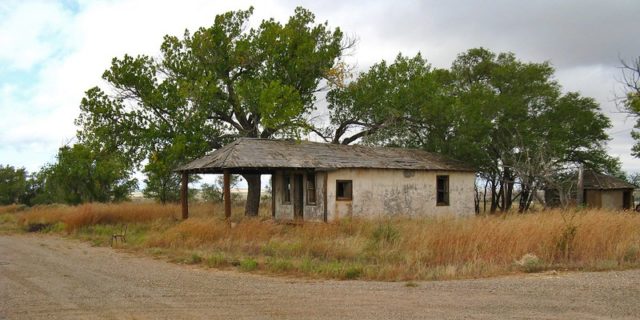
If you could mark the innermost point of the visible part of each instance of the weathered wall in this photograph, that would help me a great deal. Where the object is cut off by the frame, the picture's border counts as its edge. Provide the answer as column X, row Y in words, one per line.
column 389, row 192
column 611, row 199
column 593, row 198
column 283, row 211
column 311, row 212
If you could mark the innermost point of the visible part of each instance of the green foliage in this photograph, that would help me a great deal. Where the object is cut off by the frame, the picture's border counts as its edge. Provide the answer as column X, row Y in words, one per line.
column 248, row 264
column 507, row 118
column 530, row 263
column 217, row 260
column 194, row 259
column 83, row 175
column 214, row 192
column 209, row 87
column 13, row 184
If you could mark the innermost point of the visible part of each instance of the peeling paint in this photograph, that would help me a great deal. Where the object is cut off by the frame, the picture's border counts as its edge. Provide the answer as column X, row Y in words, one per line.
column 384, row 192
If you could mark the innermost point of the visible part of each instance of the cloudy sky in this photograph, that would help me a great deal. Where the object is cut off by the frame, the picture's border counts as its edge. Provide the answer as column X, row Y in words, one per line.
column 52, row 51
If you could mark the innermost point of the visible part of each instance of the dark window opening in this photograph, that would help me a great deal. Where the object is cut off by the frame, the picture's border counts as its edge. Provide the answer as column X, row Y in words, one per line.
column 311, row 188
column 286, row 189
column 442, row 189
column 344, row 190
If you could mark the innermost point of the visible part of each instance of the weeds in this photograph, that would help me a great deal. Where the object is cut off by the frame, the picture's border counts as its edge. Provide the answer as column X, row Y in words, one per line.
column 248, row 264
column 390, row 249
column 530, row 263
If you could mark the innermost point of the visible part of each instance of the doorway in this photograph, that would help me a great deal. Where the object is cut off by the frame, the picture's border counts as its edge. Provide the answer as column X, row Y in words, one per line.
column 626, row 200
column 298, row 196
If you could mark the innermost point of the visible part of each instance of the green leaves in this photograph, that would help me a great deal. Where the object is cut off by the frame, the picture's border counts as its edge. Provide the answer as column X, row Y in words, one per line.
column 13, row 184
column 507, row 118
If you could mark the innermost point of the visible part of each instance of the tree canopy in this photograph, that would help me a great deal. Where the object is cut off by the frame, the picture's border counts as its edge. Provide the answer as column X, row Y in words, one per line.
column 209, row 87
column 506, row 117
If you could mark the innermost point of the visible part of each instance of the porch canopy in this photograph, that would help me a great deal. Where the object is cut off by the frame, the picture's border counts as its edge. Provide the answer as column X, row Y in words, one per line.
column 265, row 156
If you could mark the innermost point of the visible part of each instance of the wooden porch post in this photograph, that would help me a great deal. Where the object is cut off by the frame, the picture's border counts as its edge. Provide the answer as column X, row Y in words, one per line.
column 227, row 194
column 273, row 195
column 184, row 195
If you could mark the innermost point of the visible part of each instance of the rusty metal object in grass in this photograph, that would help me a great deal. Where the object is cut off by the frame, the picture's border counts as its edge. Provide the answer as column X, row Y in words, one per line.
column 122, row 236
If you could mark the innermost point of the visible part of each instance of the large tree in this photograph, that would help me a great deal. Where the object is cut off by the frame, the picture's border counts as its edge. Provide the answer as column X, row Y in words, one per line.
column 210, row 87
column 507, row 118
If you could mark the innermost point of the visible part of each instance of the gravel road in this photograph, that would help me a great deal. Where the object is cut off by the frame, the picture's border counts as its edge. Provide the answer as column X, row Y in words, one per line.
column 55, row 278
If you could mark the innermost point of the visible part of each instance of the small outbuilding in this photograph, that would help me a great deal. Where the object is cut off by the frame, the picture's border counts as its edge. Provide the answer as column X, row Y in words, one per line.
column 325, row 182
column 605, row 191
column 599, row 191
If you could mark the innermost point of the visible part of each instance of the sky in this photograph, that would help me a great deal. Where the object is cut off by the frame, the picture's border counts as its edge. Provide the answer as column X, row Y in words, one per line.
column 51, row 52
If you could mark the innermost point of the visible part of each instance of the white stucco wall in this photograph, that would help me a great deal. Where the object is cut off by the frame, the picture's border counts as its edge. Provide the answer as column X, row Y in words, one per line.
column 387, row 192
column 380, row 193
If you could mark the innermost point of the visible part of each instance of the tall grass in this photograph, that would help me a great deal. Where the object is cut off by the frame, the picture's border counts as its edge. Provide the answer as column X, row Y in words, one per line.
column 395, row 249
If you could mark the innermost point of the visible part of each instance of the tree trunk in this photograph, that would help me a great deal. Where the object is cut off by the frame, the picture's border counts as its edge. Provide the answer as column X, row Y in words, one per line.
column 507, row 190
column 524, row 198
column 494, row 197
column 253, row 195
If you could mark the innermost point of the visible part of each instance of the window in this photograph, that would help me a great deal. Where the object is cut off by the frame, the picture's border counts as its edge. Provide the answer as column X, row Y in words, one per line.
column 311, row 188
column 286, row 189
column 344, row 190
column 442, row 189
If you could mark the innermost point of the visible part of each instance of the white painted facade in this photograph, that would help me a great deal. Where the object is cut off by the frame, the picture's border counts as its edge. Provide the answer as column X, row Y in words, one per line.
column 375, row 193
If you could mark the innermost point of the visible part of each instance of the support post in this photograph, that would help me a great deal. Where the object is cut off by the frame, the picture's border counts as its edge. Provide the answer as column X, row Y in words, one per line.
column 227, row 193
column 184, row 195
column 273, row 196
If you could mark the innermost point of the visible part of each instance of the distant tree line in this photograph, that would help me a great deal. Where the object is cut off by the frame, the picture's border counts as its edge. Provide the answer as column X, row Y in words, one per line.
column 79, row 175
column 507, row 118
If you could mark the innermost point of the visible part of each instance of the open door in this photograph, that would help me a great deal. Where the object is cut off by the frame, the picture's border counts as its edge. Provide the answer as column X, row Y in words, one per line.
column 298, row 197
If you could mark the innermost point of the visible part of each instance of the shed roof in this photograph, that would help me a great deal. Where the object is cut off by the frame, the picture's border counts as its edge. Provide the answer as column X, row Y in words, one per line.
column 593, row 180
column 265, row 155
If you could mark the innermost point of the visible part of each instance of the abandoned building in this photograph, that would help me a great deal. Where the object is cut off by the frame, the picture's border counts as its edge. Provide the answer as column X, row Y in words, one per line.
column 323, row 182
column 599, row 191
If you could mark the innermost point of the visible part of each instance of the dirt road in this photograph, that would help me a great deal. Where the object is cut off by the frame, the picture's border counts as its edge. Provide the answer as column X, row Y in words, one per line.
column 54, row 278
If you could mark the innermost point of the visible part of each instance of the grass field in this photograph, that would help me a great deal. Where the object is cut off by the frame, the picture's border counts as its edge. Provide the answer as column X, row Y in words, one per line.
column 391, row 250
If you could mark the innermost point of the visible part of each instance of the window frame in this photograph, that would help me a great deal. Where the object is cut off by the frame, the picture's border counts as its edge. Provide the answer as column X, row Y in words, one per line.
column 348, row 197
column 311, row 189
column 286, row 189
column 446, row 201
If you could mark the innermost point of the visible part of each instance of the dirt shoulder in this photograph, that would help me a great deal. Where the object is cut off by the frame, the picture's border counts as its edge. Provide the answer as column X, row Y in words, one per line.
column 56, row 278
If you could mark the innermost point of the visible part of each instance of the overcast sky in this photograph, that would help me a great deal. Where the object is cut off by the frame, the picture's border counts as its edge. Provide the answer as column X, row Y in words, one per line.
column 51, row 52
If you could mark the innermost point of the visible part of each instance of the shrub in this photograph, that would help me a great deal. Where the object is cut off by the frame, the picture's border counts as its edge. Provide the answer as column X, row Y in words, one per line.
column 194, row 259
column 248, row 264
column 217, row 260
column 530, row 263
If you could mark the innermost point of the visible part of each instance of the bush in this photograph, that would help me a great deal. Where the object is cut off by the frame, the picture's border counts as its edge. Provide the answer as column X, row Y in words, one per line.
column 248, row 265
column 194, row 259
column 217, row 260
column 530, row 263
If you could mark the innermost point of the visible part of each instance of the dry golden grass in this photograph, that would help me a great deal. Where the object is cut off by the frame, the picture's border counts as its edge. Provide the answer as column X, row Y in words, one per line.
column 12, row 208
column 395, row 249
